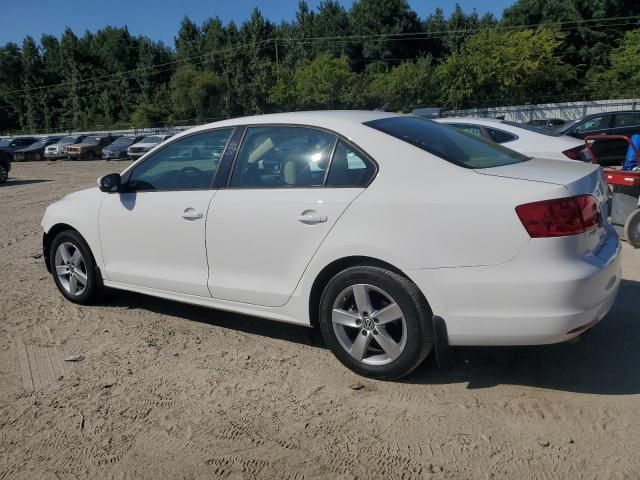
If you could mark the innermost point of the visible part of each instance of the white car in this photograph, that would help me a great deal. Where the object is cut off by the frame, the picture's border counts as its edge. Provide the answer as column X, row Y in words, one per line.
column 136, row 150
column 394, row 234
column 527, row 139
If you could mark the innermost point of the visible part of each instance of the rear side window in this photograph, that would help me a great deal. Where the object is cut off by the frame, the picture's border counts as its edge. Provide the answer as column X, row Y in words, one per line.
column 280, row 156
column 499, row 136
column 447, row 142
column 627, row 119
column 349, row 168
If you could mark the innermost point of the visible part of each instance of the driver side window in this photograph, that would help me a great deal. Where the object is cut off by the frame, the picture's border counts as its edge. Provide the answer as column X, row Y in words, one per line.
column 189, row 163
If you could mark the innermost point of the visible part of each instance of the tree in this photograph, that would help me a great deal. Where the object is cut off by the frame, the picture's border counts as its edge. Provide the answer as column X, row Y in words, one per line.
column 405, row 87
column 195, row 95
column 498, row 67
column 325, row 82
column 622, row 77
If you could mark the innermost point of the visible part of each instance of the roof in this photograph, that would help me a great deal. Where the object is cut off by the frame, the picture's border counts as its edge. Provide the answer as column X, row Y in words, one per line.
column 331, row 119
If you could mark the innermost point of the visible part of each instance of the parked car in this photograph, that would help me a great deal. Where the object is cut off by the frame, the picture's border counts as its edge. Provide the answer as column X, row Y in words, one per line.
column 118, row 149
column 353, row 221
column 608, row 152
column 5, row 166
column 89, row 148
column 531, row 141
column 10, row 145
column 546, row 122
column 136, row 150
column 56, row 151
column 35, row 151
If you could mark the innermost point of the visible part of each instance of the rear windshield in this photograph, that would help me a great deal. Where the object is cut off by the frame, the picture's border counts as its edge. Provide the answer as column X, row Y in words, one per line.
column 533, row 128
column 448, row 143
column 152, row 139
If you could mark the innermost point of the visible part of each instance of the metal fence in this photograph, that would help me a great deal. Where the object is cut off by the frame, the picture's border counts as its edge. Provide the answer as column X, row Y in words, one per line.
column 565, row 111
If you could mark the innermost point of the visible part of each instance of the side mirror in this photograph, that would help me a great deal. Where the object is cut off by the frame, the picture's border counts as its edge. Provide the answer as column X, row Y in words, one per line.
column 110, row 183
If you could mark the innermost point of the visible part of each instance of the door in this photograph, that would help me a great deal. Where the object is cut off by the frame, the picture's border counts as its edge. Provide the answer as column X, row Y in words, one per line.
column 153, row 233
column 281, row 203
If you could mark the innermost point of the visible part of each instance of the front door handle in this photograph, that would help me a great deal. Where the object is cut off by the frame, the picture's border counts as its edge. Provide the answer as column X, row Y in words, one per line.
column 191, row 214
column 311, row 217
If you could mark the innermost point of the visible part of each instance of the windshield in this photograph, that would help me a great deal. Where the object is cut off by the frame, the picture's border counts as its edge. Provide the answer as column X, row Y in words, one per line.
column 68, row 140
column 5, row 142
column 124, row 141
column 91, row 140
column 38, row 144
column 447, row 142
column 531, row 128
column 152, row 139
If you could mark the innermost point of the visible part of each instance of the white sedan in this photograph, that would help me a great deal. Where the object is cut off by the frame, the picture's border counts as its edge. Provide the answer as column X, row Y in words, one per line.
column 394, row 234
column 529, row 140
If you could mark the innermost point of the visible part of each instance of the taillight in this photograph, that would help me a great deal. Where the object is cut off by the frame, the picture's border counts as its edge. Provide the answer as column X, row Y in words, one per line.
column 560, row 217
column 574, row 153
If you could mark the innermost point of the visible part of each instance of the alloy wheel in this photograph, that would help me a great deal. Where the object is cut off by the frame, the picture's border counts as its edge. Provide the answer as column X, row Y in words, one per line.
column 71, row 268
column 369, row 324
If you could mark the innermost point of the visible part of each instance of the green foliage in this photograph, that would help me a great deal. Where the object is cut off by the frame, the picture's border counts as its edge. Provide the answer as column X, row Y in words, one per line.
column 374, row 53
column 503, row 66
column 325, row 82
column 622, row 77
column 405, row 87
column 195, row 95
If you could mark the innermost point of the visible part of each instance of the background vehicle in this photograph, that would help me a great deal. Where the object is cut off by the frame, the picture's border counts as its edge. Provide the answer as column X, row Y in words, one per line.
column 56, row 151
column 35, row 151
column 546, row 122
column 89, row 148
column 609, row 153
column 118, row 149
column 343, row 219
column 531, row 141
column 10, row 145
column 136, row 150
column 5, row 166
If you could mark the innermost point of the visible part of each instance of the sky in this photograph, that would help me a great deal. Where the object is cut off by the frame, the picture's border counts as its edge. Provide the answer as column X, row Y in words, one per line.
column 160, row 19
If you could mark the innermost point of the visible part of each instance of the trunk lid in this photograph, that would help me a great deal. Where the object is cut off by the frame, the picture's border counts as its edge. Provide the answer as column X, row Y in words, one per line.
column 579, row 178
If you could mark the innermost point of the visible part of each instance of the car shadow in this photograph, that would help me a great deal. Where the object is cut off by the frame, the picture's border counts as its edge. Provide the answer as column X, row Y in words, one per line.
column 219, row 318
column 604, row 361
column 13, row 182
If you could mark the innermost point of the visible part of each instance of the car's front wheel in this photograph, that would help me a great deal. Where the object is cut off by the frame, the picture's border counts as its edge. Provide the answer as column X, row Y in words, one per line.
column 73, row 268
column 376, row 322
column 4, row 174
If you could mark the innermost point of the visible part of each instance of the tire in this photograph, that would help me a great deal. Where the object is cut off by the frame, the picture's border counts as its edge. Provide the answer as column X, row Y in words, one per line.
column 89, row 155
column 4, row 174
column 632, row 229
column 38, row 157
column 85, row 265
column 357, row 336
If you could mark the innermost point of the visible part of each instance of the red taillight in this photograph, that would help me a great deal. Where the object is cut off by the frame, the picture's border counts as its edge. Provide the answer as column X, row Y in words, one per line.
column 574, row 153
column 559, row 217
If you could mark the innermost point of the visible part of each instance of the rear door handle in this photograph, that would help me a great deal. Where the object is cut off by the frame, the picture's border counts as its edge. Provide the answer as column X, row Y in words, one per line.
column 191, row 214
column 311, row 217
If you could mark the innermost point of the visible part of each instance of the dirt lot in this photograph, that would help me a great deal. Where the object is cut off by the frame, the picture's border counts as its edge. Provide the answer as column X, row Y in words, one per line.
column 174, row 391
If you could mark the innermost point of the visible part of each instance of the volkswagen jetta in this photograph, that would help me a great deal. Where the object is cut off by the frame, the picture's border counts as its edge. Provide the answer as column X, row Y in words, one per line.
column 394, row 234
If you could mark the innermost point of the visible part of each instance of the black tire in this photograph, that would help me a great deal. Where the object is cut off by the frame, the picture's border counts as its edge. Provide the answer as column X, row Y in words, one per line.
column 632, row 229
column 415, row 310
column 93, row 285
column 89, row 155
column 4, row 174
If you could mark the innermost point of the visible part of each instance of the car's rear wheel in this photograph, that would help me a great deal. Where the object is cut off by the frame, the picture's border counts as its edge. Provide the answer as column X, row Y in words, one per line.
column 632, row 229
column 376, row 322
column 73, row 268
column 4, row 174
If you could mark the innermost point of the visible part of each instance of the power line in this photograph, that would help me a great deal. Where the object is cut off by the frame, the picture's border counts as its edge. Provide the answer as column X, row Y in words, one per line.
column 406, row 36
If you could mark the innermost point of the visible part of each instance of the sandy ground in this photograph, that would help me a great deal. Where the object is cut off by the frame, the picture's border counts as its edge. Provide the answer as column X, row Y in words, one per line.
column 174, row 391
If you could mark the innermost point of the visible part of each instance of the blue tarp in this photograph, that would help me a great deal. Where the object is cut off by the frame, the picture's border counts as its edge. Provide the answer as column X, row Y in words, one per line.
column 630, row 162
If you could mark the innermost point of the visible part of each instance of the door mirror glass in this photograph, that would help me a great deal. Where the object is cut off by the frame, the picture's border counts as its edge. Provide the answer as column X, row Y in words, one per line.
column 110, row 183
